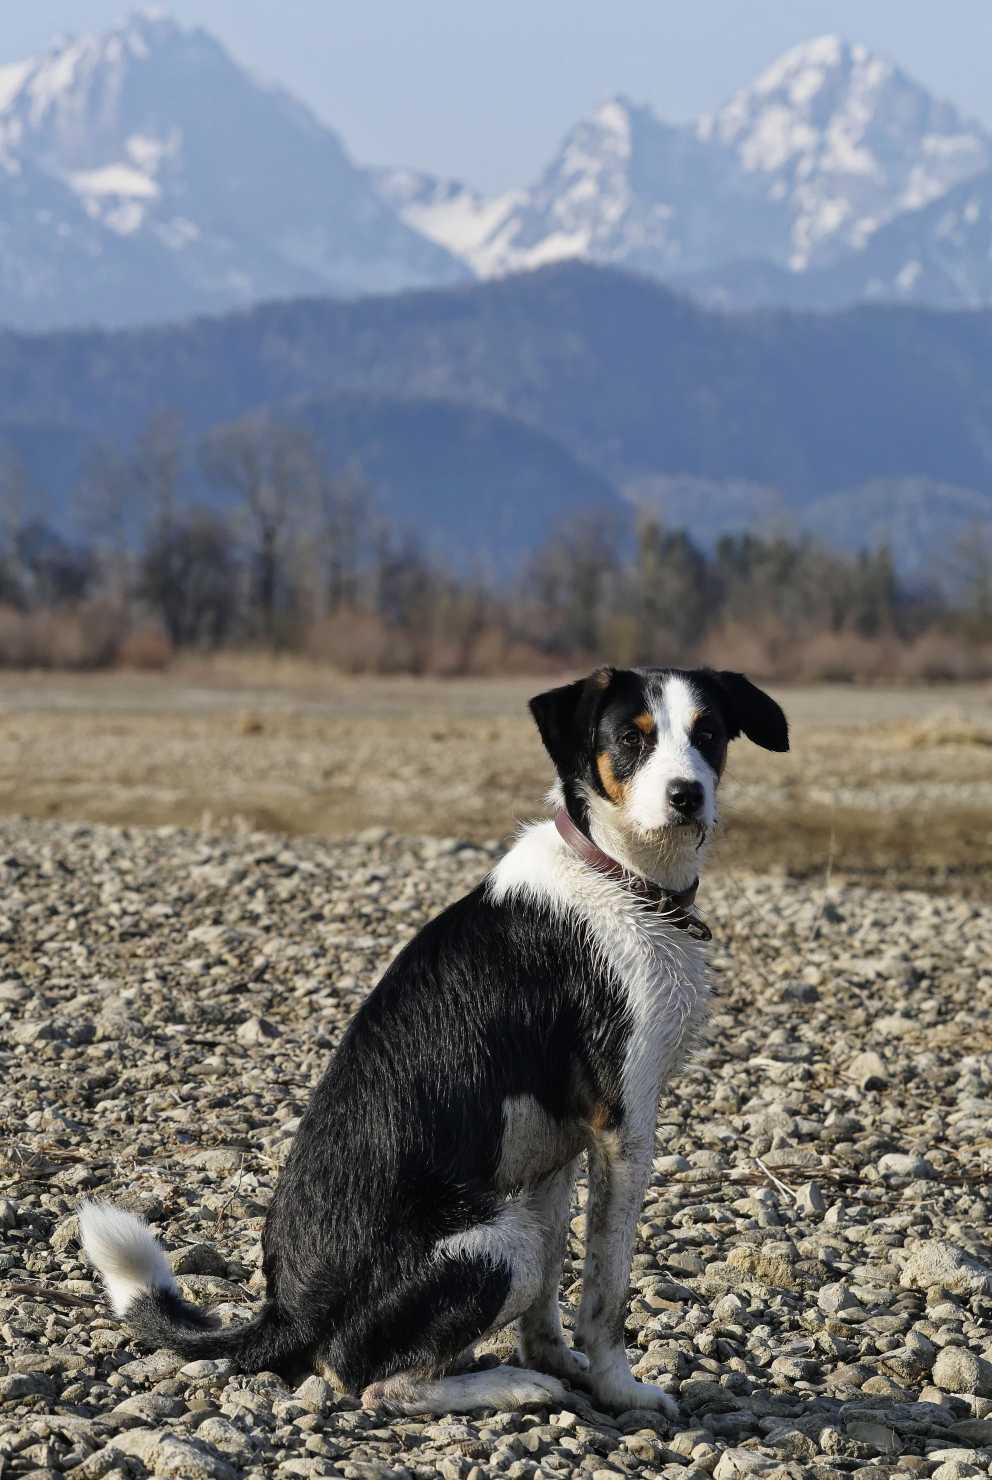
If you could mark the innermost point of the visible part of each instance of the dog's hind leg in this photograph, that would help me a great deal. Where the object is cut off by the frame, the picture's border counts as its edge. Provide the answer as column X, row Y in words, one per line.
column 541, row 1342
column 497, row 1387
column 400, row 1355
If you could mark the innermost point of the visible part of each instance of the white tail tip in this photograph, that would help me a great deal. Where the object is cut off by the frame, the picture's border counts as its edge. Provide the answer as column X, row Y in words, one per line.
column 127, row 1256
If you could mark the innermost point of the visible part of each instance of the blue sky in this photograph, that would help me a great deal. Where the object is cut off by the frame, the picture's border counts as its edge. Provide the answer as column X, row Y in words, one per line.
column 484, row 91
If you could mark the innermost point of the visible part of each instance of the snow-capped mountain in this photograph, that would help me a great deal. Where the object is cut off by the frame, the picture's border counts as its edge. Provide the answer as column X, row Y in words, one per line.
column 624, row 187
column 797, row 171
column 146, row 175
column 845, row 141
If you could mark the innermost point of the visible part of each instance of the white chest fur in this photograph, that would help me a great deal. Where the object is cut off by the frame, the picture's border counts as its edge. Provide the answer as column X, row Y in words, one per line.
column 661, row 970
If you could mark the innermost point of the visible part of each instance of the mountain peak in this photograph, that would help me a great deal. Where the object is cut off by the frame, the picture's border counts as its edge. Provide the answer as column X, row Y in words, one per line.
column 846, row 141
column 149, row 25
column 829, row 51
column 154, row 176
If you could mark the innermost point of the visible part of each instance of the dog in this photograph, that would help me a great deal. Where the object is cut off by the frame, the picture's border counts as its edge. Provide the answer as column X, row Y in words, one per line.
column 425, row 1200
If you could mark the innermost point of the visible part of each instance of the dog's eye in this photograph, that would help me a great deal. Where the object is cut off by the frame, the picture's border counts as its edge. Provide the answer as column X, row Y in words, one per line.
column 631, row 739
column 703, row 737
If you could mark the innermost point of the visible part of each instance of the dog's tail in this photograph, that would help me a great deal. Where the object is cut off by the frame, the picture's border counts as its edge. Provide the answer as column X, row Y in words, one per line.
column 143, row 1292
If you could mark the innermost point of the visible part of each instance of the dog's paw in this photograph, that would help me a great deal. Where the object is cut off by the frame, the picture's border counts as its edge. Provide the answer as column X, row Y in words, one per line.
column 555, row 1357
column 537, row 1388
column 618, row 1390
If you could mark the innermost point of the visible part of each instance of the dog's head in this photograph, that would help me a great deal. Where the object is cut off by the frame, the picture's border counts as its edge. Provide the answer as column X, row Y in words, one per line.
column 639, row 755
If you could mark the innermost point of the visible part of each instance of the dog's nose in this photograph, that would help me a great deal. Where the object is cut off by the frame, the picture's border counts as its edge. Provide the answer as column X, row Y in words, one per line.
column 685, row 797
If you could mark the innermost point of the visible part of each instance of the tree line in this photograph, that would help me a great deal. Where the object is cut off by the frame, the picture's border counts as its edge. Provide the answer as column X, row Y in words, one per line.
column 288, row 556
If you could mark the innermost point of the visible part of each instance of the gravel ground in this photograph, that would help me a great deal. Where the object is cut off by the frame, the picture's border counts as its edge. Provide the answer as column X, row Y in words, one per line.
column 813, row 1278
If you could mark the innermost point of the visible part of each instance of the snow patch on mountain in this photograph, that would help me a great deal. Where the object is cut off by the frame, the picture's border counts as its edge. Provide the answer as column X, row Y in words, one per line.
column 447, row 211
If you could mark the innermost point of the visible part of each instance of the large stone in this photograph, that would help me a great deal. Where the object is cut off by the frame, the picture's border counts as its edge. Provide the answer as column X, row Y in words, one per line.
column 958, row 1370
column 905, row 1164
column 939, row 1263
column 737, row 1464
column 190, row 1461
column 20, row 1385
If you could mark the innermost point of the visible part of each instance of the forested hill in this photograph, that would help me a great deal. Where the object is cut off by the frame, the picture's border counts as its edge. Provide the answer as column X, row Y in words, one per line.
column 628, row 379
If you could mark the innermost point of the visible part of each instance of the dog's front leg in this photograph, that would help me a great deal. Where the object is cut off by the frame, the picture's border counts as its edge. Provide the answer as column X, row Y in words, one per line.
column 618, row 1177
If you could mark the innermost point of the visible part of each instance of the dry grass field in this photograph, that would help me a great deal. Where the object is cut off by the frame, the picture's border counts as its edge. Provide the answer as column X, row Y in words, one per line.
column 882, row 785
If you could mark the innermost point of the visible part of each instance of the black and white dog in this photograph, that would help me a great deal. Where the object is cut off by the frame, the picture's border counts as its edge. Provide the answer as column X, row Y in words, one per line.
column 425, row 1201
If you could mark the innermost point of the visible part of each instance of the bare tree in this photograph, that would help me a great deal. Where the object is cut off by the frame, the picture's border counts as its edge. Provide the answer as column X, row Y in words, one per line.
column 189, row 577
column 15, row 501
column 156, row 463
column 274, row 472
column 971, row 578
column 568, row 587
column 109, row 518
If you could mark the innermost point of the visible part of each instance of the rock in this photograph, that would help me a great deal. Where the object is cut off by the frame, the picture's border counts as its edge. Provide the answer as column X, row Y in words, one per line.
column 735, row 1464
column 199, row 1258
column 977, row 1431
column 143, row 1409
column 939, row 1263
column 810, row 1200
column 190, row 1460
column 957, row 1370
column 21, row 1385
column 159, row 1365
column 256, row 1031
column 835, row 1297
column 66, row 1235
column 143, row 1443
column 762, row 1266
column 207, row 1367
column 220, row 1159
column 670, row 1166
column 877, row 1436
column 225, row 1436
column 898, row 1164
column 315, row 1394
column 868, row 1071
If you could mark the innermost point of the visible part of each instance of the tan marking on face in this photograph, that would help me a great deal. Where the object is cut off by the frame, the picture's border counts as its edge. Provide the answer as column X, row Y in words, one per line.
column 645, row 723
column 615, row 790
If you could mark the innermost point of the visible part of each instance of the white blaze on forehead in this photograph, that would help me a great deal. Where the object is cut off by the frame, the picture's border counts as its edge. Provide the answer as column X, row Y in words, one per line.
column 677, row 708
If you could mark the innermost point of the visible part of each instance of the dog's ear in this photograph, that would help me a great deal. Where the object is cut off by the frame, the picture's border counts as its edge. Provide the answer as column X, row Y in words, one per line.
column 748, row 710
column 566, row 719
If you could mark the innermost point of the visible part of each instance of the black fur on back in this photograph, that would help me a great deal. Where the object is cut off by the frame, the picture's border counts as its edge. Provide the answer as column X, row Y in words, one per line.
column 402, row 1137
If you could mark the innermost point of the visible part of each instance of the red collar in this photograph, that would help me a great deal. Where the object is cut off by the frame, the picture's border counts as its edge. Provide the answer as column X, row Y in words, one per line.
column 675, row 905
